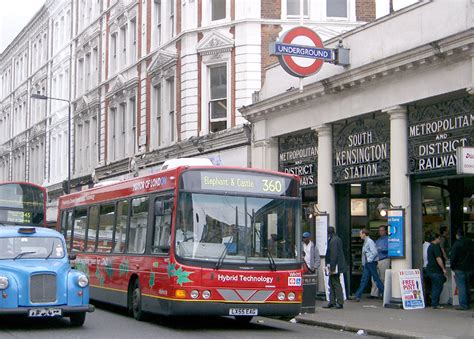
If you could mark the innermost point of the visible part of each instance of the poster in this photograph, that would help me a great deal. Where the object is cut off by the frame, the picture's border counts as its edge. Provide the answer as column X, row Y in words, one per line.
column 322, row 233
column 396, row 233
column 326, row 286
column 411, row 289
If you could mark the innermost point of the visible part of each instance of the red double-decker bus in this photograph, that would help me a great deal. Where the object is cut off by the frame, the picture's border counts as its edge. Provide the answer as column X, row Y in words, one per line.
column 191, row 241
column 22, row 203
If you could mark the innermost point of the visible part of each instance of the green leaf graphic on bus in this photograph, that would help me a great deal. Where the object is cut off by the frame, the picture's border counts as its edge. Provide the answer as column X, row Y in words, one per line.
column 152, row 280
column 180, row 274
column 123, row 268
column 82, row 267
column 109, row 270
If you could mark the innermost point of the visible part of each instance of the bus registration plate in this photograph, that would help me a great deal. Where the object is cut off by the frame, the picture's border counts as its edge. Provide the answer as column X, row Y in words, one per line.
column 45, row 312
column 243, row 311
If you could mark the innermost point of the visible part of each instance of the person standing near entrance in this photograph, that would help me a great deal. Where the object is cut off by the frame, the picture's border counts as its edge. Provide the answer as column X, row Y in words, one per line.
column 369, row 263
column 462, row 263
column 335, row 265
column 436, row 270
column 310, row 254
column 384, row 261
column 444, row 242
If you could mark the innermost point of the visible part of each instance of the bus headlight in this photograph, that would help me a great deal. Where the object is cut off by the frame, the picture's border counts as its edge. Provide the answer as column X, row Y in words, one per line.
column 3, row 283
column 194, row 294
column 291, row 296
column 281, row 296
column 206, row 294
column 83, row 281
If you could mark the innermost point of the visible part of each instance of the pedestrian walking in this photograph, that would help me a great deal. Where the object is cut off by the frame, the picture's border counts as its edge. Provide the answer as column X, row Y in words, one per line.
column 311, row 256
column 369, row 263
column 462, row 264
column 436, row 270
column 335, row 265
column 384, row 261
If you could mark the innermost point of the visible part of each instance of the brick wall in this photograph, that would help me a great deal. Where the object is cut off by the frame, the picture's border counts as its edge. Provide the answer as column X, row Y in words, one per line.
column 365, row 10
column 269, row 34
column 271, row 9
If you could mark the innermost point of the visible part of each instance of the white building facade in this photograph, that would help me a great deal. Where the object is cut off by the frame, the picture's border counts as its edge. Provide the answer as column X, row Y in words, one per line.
column 147, row 81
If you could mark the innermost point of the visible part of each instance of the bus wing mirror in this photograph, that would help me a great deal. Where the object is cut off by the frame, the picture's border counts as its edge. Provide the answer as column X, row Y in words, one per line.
column 72, row 256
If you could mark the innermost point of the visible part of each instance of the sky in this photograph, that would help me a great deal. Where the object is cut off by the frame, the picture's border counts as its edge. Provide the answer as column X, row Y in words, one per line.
column 14, row 15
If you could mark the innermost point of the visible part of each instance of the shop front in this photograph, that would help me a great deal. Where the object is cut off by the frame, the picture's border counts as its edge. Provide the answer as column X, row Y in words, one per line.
column 442, row 199
column 361, row 167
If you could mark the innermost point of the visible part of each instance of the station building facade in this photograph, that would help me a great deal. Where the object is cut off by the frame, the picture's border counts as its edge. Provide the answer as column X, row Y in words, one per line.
column 382, row 131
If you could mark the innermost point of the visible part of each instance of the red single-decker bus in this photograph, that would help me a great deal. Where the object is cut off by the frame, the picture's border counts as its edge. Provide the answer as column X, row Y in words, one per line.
column 204, row 240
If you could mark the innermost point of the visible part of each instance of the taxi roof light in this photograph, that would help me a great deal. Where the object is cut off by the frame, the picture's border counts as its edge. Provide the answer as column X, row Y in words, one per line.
column 27, row 230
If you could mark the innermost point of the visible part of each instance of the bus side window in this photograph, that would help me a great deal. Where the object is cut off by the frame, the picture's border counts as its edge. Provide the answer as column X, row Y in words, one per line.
column 121, row 226
column 92, row 228
column 80, row 225
column 138, row 225
column 68, row 230
column 162, row 226
column 106, row 228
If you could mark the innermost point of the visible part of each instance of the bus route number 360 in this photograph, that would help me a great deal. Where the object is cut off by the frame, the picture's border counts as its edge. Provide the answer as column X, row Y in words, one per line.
column 273, row 186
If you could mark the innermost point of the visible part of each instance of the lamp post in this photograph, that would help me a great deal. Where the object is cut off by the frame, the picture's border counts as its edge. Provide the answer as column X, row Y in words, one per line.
column 44, row 97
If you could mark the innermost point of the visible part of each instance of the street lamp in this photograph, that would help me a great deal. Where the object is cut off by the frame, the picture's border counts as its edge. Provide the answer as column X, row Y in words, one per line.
column 44, row 97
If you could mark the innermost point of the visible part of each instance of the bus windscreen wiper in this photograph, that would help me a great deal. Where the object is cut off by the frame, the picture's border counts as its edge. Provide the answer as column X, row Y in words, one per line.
column 222, row 256
column 23, row 253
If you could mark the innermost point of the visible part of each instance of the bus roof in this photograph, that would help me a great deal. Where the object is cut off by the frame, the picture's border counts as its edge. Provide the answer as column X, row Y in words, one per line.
column 163, row 180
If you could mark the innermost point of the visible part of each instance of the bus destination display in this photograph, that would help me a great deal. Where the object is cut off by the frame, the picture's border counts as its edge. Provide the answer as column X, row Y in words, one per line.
column 238, row 182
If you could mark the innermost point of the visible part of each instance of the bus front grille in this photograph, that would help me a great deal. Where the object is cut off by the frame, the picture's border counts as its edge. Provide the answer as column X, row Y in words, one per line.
column 42, row 288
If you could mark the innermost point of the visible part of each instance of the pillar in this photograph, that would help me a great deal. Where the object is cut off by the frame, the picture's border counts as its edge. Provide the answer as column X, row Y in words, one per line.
column 326, row 192
column 400, row 185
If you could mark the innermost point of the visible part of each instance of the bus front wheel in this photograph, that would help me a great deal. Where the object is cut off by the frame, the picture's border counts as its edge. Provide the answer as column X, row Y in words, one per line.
column 137, row 311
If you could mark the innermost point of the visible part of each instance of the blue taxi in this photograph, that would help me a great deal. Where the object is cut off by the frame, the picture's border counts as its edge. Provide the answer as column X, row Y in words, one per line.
column 36, row 279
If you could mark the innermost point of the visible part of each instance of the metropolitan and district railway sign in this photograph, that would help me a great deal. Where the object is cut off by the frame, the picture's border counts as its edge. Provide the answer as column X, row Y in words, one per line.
column 436, row 131
column 301, row 52
column 298, row 154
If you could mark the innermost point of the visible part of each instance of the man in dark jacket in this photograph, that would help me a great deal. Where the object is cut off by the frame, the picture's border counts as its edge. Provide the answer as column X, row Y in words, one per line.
column 462, row 263
column 335, row 265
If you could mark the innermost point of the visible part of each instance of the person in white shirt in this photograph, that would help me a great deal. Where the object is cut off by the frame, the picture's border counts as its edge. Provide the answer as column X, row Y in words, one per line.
column 310, row 254
column 426, row 244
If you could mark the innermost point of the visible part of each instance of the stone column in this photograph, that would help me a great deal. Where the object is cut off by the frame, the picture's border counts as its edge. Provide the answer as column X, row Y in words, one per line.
column 265, row 154
column 326, row 193
column 400, row 185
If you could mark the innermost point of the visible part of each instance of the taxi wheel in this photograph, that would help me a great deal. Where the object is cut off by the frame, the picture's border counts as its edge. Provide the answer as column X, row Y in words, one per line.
column 77, row 319
column 137, row 311
column 243, row 319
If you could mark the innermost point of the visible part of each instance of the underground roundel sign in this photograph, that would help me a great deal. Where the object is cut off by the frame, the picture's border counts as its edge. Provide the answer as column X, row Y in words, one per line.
column 301, row 52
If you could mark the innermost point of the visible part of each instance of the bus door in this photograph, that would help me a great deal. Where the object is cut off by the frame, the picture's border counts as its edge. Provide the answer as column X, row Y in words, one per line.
column 162, row 208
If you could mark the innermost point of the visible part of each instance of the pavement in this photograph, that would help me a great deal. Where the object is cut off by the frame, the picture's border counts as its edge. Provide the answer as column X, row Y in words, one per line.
column 370, row 315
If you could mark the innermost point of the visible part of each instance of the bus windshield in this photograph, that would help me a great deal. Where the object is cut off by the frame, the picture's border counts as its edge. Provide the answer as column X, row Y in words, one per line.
column 21, row 204
column 236, row 229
